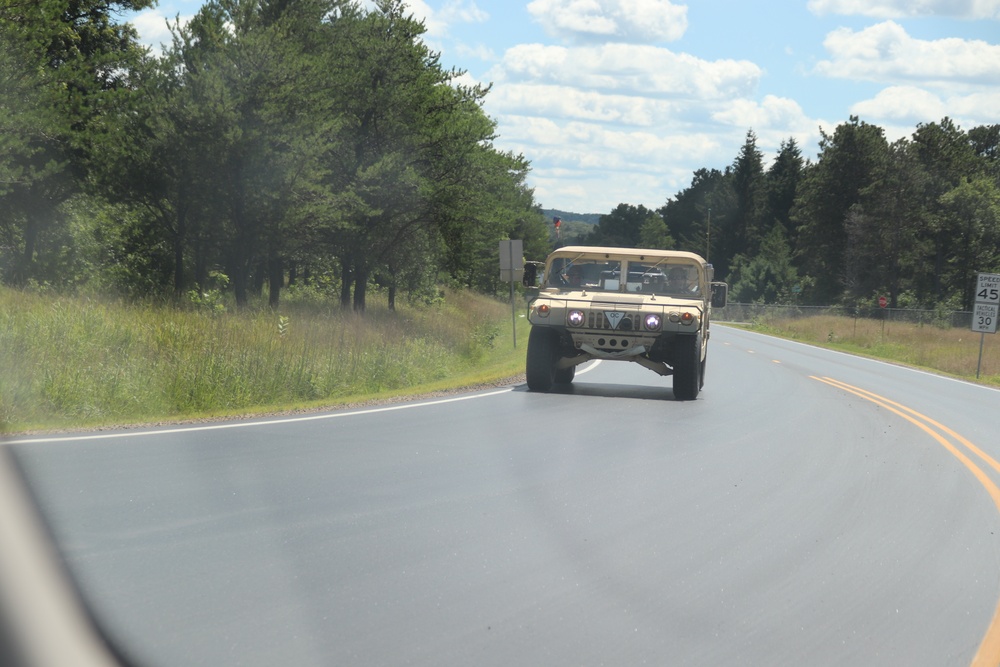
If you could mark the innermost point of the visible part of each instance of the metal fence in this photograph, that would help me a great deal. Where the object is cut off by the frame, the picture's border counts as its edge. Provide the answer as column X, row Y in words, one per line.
column 756, row 312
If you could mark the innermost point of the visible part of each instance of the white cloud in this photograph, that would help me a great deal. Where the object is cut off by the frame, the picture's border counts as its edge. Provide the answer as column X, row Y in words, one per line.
column 902, row 103
column 888, row 9
column 637, row 21
column 886, row 53
column 421, row 11
column 623, row 68
column 906, row 106
column 438, row 22
column 773, row 120
column 555, row 101
column 772, row 111
column 629, row 123
column 979, row 108
column 581, row 145
column 152, row 28
column 589, row 167
column 600, row 192
column 479, row 52
column 459, row 11
column 596, row 151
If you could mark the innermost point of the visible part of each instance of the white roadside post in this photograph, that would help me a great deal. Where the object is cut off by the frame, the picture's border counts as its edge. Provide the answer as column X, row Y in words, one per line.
column 985, row 310
column 511, row 269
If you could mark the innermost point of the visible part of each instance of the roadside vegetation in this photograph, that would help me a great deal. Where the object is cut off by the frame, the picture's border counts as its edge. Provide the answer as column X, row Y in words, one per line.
column 71, row 362
column 940, row 349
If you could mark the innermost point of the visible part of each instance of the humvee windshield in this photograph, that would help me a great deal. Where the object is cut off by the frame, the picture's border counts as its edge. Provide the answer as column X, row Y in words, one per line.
column 601, row 275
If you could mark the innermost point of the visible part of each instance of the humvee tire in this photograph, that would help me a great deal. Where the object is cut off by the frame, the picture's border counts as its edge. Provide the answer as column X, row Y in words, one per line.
column 687, row 368
column 540, row 367
column 565, row 375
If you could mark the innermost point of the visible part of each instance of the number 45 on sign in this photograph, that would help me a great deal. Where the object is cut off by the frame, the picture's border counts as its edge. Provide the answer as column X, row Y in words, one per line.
column 988, row 288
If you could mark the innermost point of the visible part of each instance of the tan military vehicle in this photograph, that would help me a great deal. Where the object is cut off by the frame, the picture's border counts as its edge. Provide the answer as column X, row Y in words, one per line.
column 650, row 307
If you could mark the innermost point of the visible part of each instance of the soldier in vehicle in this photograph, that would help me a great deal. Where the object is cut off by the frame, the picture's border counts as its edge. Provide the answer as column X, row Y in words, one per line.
column 574, row 276
column 678, row 282
column 568, row 275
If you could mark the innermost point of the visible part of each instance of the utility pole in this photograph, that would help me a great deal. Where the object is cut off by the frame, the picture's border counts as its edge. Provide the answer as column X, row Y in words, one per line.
column 708, row 233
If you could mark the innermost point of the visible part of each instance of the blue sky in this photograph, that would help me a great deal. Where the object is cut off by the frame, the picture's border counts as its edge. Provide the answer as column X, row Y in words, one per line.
column 620, row 101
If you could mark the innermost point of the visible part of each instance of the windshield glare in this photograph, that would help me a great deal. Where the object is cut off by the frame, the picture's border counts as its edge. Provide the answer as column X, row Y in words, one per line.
column 603, row 275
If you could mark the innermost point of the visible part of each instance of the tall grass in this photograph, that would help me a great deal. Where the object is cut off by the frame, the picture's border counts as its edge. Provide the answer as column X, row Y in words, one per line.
column 947, row 350
column 72, row 362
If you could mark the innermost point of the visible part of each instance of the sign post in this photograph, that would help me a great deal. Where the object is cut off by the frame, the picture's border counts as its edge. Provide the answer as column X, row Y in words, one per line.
column 511, row 269
column 882, row 303
column 985, row 311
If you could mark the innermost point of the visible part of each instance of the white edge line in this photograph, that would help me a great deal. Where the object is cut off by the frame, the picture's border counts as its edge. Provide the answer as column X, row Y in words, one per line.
column 246, row 424
column 967, row 383
column 269, row 422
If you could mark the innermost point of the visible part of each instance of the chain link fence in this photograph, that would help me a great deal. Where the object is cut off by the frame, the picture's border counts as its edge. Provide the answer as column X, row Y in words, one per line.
column 756, row 312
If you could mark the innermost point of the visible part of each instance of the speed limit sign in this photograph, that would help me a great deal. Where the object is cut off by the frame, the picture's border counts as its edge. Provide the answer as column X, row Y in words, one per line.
column 984, row 317
column 988, row 288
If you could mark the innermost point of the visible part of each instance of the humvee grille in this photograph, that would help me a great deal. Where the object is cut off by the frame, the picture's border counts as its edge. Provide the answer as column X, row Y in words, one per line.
column 597, row 320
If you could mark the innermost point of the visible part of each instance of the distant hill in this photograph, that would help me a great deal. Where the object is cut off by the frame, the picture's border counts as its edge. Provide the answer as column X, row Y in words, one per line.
column 566, row 216
column 574, row 228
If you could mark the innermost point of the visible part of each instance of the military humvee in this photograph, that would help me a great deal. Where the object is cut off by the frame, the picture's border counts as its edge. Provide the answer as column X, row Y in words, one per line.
column 650, row 307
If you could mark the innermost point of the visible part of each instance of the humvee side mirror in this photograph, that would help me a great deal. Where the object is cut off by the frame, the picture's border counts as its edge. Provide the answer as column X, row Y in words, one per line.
column 530, row 277
column 720, row 293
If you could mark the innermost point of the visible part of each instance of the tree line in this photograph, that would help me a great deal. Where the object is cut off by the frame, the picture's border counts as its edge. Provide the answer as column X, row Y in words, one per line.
column 273, row 141
column 282, row 141
column 912, row 220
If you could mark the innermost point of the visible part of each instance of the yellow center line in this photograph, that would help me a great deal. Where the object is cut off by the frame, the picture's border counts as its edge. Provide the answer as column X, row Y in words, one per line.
column 989, row 649
column 989, row 460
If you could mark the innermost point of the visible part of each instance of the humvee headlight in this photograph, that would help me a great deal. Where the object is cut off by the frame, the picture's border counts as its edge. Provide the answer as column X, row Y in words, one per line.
column 575, row 318
column 543, row 310
column 687, row 318
column 653, row 322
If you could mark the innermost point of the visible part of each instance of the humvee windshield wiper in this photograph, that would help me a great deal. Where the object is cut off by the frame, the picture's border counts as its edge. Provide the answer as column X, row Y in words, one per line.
column 655, row 266
column 572, row 262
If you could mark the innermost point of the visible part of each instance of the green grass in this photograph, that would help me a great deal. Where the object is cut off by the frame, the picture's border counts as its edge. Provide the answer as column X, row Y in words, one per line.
column 89, row 362
column 79, row 362
column 950, row 351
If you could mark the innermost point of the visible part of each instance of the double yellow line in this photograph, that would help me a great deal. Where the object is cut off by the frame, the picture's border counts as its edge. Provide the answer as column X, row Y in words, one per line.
column 989, row 648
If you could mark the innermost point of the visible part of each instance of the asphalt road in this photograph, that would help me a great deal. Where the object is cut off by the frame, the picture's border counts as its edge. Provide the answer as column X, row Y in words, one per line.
column 783, row 518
